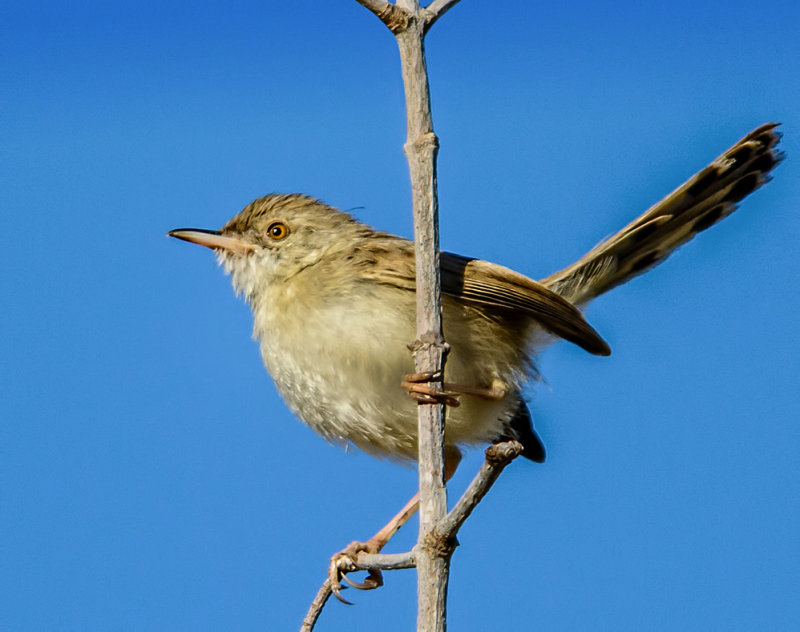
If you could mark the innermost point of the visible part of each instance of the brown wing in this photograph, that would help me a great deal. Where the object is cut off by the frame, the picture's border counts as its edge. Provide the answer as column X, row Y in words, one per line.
column 493, row 287
column 498, row 288
column 699, row 203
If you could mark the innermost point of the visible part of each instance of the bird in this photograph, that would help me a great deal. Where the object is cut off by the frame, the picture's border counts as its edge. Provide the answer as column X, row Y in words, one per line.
column 333, row 304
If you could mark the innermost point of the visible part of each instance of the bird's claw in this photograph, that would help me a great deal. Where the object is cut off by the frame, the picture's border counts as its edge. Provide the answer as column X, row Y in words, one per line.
column 373, row 580
column 344, row 562
column 422, row 391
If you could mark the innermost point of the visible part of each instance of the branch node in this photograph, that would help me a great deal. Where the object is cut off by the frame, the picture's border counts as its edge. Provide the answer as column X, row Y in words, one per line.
column 395, row 18
column 440, row 544
column 427, row 341
column 428, row 141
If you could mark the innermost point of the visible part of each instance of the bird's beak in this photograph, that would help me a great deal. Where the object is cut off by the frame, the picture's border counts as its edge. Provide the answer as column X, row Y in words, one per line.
column 212, row 239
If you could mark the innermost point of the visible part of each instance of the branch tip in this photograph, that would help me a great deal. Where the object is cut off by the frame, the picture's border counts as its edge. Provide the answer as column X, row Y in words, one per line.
column 501, row 454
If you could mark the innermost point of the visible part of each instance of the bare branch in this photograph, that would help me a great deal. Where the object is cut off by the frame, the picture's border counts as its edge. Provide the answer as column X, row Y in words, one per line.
column 436, row 541
column 497, row 457
column 315, row 609
column 430, row 348
column 395, row 18
column 386, row 561
column 435, row 10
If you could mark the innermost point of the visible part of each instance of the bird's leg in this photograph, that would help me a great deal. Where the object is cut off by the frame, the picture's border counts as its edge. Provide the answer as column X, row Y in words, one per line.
column 497, row 391
column 418, row 389
column 343, row 562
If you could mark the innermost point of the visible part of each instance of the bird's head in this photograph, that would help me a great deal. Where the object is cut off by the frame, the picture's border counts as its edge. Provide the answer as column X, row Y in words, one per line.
column 275, row 237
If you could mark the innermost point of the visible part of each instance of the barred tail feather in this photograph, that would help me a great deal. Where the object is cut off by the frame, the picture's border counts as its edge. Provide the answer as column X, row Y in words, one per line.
column 702, row 201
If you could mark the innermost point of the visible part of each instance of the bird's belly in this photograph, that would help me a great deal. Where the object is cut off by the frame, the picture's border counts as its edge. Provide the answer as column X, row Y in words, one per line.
column 344, row 382
column 347, row 395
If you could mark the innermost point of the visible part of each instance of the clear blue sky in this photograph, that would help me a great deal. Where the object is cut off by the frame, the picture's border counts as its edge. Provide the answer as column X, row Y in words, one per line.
column 152, row 479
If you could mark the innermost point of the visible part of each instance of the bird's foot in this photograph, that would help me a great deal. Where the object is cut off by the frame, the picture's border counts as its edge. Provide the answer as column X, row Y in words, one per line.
column 423, row 389
column 345, row 561
column 419, row 387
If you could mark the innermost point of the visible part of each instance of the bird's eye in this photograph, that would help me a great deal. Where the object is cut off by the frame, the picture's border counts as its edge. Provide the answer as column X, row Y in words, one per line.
column 277, row 231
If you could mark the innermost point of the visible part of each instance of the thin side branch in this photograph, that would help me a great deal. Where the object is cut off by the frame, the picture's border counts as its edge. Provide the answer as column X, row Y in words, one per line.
column 395, row 18
column 441, row 538
column 435, row 10
column 497, row 457
column 315, row 609
column 386, row 561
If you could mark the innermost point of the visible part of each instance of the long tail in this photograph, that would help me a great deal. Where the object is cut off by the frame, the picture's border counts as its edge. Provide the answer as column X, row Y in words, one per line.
column 699, row 203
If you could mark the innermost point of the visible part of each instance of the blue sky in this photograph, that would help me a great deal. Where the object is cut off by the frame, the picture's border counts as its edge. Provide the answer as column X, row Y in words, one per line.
column 151, row 477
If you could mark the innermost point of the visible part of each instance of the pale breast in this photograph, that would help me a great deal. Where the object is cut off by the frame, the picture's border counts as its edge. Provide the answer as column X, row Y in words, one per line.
column 338, row 362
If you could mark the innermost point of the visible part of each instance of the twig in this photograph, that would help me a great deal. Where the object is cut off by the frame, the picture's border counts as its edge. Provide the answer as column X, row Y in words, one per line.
column 497, row 457
column 315, row 609
column 435, row 10
column 442, row 538
column 385, row 561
